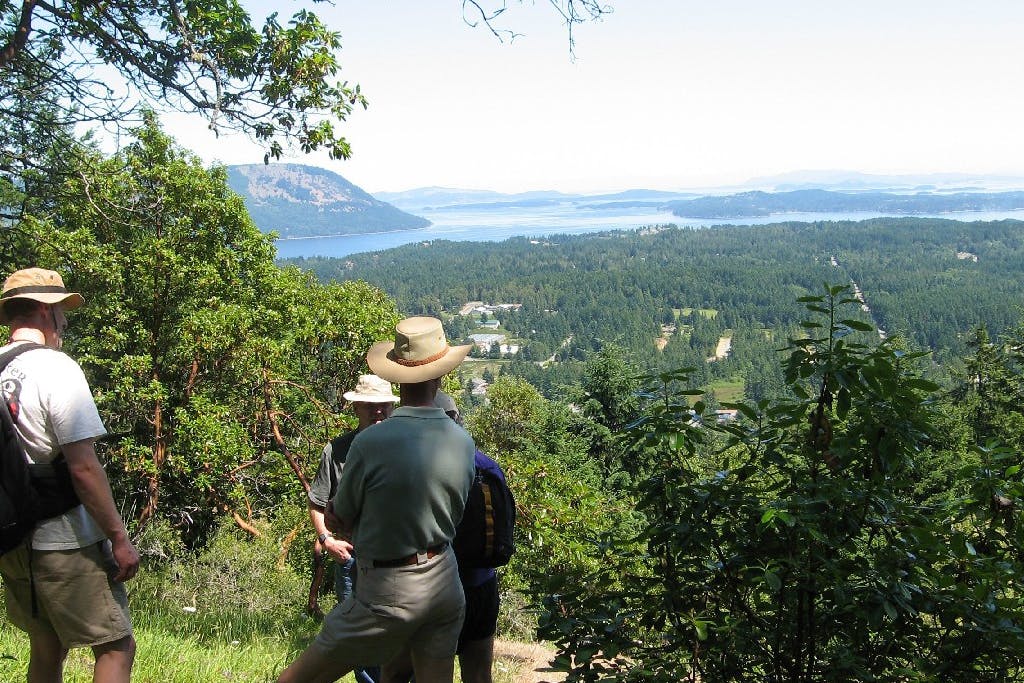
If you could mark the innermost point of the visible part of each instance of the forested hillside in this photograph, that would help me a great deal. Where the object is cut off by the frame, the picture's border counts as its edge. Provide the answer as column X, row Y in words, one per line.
column 858, row 518
column 854, row 520
column 929, row 280
column 293, row 200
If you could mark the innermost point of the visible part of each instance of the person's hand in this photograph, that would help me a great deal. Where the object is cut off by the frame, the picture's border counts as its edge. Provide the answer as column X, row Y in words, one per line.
column 126, row 557
column 339, row 549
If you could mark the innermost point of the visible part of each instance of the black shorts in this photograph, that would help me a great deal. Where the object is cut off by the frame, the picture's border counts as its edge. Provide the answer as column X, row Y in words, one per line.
column 481, row 612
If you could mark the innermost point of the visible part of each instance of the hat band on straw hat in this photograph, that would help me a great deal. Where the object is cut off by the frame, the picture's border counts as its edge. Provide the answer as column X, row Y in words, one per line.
column 423, row 361
column 34, row 289
column 419, row 352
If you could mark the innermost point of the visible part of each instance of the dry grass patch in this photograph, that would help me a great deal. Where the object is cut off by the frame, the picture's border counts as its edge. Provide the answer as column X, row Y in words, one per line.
column 526, row 662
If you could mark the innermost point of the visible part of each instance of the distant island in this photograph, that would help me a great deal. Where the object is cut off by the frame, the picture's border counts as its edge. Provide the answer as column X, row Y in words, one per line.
column 723, row 205
column 751, row 204
column 306, row 201
column 298, row 201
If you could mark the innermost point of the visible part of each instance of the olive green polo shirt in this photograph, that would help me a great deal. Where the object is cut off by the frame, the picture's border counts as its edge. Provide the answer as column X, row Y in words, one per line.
column 405, row 483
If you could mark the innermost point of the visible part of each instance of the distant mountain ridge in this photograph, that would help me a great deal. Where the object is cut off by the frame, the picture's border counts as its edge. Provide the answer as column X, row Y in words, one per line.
column 439, row 198
column 737, row 205
column 307, row 201
column 751, row 204
column 855, row 181
column 442, row 198
column 294, row 200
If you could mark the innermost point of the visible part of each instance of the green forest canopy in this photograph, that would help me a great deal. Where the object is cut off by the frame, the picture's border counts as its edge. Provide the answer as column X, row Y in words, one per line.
column 930, row 281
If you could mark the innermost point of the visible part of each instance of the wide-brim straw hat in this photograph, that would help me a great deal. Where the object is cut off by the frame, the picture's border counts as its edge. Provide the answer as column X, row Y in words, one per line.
column 371, row 389
column 420, row 352
column 37, row 284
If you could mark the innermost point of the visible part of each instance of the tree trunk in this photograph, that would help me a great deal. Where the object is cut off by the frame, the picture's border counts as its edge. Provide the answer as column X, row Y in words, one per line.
column 159, row 457
column 276, row 431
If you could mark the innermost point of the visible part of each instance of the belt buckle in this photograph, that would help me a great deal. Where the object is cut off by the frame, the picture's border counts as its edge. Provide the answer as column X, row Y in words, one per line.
column 422, row 557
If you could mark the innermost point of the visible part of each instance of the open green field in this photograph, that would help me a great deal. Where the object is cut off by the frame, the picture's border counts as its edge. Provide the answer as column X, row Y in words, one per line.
column 687, row 312
column 727, row 390
column 474, row 367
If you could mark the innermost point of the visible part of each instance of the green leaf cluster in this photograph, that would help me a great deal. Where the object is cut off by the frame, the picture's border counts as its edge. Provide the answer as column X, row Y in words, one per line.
column 83, row 62
column 219, row 374
column 801, row 549
column 561, row 500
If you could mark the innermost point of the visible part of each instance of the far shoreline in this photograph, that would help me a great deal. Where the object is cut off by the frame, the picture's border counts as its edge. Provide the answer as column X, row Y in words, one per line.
column 348, row 234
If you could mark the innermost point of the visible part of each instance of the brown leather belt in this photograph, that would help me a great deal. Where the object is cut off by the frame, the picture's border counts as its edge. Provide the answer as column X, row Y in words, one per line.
column 415, row 558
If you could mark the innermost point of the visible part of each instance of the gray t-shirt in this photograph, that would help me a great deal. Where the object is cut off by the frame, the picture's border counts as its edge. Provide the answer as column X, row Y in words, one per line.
column 54, row 407
column 405, row 483
column 332, row 464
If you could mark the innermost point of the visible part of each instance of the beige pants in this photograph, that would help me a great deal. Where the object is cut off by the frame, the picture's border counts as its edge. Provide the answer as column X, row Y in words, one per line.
column 75, row 596
column 419, row 606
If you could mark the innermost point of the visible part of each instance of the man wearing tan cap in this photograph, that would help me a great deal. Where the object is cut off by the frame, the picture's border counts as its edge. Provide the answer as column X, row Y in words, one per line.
column 400, row 497
column 64, row 585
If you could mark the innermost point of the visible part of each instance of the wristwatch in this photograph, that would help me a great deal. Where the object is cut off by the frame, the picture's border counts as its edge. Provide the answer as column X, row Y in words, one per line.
column 323, row 537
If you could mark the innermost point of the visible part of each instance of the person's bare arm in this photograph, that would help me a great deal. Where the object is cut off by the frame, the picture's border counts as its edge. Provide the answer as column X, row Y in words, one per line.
column 340, row 549
column 93, row 489
column 341, row 527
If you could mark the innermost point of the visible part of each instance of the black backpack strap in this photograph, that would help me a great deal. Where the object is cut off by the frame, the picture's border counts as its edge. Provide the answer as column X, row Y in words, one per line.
column 5, row 359
column 339, row 454
column 10, row 354
column 32, row 577
column 337, row 445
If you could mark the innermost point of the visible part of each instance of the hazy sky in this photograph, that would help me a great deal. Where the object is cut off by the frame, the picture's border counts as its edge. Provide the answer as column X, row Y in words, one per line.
column 669, row 94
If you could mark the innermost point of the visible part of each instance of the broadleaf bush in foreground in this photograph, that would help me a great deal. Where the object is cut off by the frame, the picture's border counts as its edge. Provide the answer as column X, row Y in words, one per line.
column 801, row 550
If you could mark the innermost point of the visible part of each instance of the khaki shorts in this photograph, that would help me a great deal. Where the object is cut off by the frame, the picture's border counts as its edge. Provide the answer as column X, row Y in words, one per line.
column 75, row 597
column 419, row 606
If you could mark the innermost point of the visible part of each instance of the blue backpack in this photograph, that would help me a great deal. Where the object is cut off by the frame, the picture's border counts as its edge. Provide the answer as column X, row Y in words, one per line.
column 484, row 536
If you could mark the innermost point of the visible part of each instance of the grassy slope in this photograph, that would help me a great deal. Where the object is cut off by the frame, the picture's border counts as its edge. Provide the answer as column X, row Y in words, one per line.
column 169, row 658
column 165, row 658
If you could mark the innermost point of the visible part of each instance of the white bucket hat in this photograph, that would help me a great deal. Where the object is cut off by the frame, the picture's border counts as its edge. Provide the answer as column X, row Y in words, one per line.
column 371, row 389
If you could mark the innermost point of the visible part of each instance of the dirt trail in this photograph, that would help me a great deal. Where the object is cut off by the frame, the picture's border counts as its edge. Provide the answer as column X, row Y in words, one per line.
column 529, row 662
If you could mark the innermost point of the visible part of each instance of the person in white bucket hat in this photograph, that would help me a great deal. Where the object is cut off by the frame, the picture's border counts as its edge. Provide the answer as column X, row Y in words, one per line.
column 372, row 401
column 400, row 497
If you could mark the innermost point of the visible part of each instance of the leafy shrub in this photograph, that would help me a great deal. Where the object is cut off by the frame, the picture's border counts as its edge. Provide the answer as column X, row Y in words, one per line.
column 235, row 588
column 808, row 556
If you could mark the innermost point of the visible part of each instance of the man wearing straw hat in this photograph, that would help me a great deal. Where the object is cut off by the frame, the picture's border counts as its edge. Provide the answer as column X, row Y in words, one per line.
column 400, row 497
column 480, row 586
column 64, row 584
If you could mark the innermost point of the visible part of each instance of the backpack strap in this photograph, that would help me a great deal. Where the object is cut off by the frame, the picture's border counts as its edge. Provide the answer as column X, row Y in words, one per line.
column 10, row 354
column 339, row 454
column 5, row 359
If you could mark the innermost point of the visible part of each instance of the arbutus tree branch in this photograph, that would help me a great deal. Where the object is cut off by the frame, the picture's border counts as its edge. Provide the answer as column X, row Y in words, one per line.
column 21, row 32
